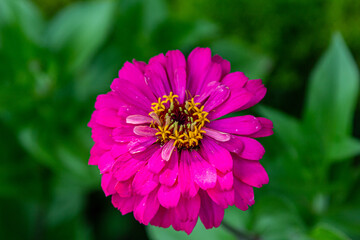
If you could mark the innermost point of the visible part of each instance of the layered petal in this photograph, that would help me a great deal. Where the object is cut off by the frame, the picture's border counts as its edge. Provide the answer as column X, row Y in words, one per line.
column 159, row 156
column 146, row 208
column 217, row 156
column 250, row 172
column 210, row 213
column 169, row 196
column 202, row 172
column 242, row 125
column 188, row 187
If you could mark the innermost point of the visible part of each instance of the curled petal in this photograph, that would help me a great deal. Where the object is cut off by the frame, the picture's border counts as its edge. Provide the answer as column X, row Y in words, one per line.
column 145, row 131
column 138, row 119
column 219, row 136
column 168, row 149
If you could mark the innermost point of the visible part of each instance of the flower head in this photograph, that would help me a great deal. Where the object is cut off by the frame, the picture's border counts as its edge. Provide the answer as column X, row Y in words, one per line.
column 161, row 148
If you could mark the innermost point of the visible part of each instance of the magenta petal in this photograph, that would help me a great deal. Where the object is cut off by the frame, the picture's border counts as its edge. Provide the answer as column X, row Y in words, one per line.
column 235, row 80
column 160, row 58
column 211, row 74
column 220, row 197
column 132, row 73
column 218, row 156
column 163, row 218
column 103, row 136
column 144, row 182
column 145, row 131
column 124, row 134
column 219, row 136
column 167, row 150
column 257, row 89
column 124, row 188
column 170, row 173
column 174, row 60
column 250, row 172
column 225, row 180
column 95, row 153
column 169, row 196
column 106, row 162
column 132, row 83
column 253, row 150
column 225, row 64
column 109, row 100
column 156, row 163
column 197, row 63
column 133, row 95
column 234, row 145
column 139, row 65
column 125, row 205
column 218, row 96
column 210, row 213
column 118, row 149
column 186, row 182
column 188, row 209
column 266, row 128
column 140, row 144
column 187, row 226
column 179, row 83
column 242, row 125
column 108, row 117
column 131, row 109
column 207, row 91
column 147, row 208
column 202, row 172
column 108, row 184
column 176, row 69
column 157, row 79
column 244, row 195
column 123, row 170
column 236, row 100
column 138, row 119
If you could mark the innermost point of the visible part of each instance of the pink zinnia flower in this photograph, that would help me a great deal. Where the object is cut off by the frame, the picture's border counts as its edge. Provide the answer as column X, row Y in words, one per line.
column 161, row 148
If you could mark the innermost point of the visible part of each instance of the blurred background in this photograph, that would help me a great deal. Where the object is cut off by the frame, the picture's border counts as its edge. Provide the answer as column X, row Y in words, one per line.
column 57, row 56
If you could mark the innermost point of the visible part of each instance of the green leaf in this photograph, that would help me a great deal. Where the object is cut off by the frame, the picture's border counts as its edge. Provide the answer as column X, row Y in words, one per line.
column 276, row 217
column 287, row 128
column 344, row 149
column 151, row 20
column 68, row 198
column 199, row 232
column 29, row 139
column 236, row 218
column 346, row 218
column 80, row 30
column 242, row 59
column 325, row 231
column 181, row 34
column 25, row 14
column 333, row 91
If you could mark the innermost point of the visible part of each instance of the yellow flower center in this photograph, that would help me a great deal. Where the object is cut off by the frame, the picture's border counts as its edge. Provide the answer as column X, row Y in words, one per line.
column 181, row 123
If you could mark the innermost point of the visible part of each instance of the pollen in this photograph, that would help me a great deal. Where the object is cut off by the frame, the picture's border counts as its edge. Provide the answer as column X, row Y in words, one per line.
column 181, row 123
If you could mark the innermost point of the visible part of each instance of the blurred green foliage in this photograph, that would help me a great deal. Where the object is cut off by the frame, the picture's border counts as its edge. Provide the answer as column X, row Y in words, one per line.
column 57, row 56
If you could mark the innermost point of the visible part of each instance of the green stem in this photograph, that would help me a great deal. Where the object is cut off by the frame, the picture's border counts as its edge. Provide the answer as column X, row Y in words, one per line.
column 239, row 234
